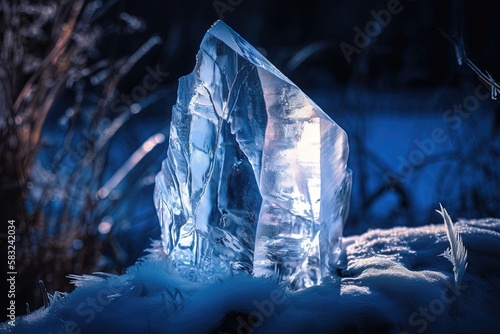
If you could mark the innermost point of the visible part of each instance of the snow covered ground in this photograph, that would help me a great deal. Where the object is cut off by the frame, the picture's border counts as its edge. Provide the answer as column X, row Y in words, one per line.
column 392, row 281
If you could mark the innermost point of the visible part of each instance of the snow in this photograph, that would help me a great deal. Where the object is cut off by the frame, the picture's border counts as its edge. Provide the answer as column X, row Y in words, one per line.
column 391, row 281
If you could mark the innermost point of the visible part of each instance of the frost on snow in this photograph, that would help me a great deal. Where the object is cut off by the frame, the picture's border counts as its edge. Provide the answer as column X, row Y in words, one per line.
column 457, row 254
column 392, row 281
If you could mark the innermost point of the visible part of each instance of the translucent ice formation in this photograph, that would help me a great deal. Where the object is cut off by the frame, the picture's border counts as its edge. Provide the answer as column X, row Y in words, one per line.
column 255, row 178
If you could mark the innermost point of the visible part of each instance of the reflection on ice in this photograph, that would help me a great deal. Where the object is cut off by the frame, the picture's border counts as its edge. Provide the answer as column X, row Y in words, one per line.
column 255, row 178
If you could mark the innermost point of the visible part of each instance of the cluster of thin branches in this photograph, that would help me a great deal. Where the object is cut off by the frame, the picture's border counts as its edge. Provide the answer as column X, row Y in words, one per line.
column 468, row 177
column 49, row 50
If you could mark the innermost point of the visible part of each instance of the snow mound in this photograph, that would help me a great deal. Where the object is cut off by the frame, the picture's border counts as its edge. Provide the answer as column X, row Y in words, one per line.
column 391, row 281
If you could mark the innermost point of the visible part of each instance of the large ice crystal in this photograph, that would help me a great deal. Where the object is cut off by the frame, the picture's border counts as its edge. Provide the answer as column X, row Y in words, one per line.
column 255, row 178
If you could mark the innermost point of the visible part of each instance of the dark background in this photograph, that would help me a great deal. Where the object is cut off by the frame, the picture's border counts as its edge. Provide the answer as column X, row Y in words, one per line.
column 283, row 28
column 395, row 92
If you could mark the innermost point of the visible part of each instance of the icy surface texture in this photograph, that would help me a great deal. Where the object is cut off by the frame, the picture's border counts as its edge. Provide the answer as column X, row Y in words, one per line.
column 393, row 281
column 255, row 177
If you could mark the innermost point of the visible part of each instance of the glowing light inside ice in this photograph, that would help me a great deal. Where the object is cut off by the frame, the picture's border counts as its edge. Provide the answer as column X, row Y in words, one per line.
column 255, row 179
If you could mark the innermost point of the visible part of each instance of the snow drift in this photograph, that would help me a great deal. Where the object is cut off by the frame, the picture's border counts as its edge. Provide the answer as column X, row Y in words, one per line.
column 391, row 281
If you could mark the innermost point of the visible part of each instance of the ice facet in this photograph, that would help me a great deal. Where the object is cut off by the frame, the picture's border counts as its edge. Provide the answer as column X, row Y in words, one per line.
column 255, row 178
